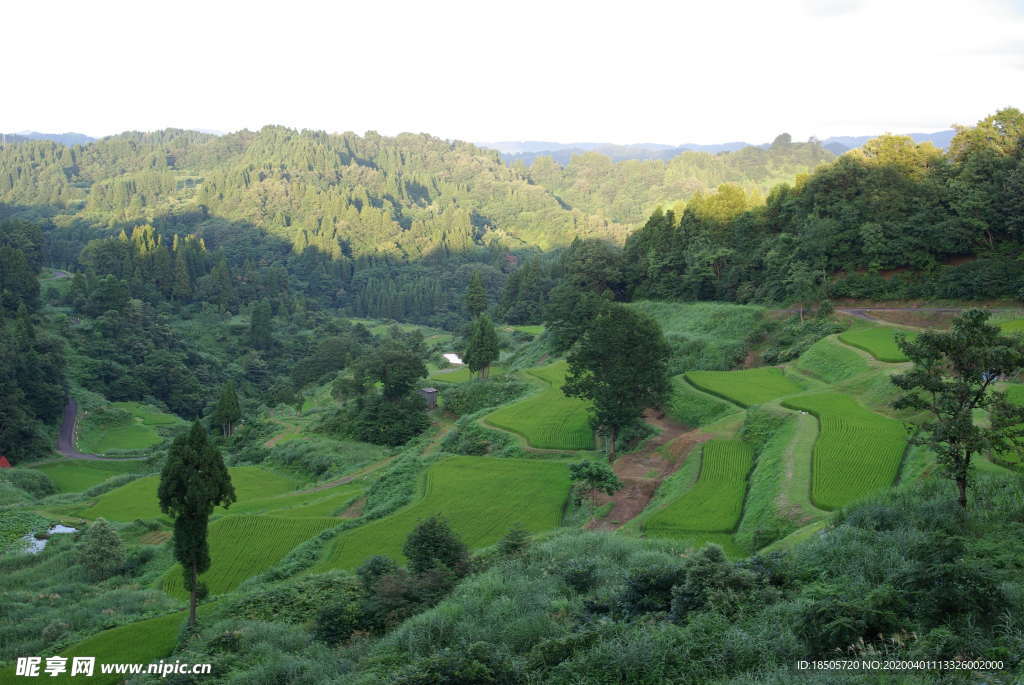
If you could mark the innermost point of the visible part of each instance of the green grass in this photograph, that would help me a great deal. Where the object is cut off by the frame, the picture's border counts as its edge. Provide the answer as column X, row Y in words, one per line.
column 242, row 546
column 1013, row 326
column 878, row 341
column 532, row 330
column 18, row 523
column 462, row 374
column 138, row 498
column 548, row 419
column 124, row 426
column 831, row 362
column 715, row 502
column 1015, row 394
column 481, row 497
column 695, row 408
column 76, row 475
column 748, row 387
column 857, row 452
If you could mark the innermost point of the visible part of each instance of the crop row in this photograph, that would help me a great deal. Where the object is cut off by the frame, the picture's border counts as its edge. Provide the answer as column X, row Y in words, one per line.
column 715, row 502
column 857, row 451
column 748, row 387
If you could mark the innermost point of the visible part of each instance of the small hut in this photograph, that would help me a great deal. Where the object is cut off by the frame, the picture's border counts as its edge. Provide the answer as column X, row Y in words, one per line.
column 4, row 464
column 430, row 397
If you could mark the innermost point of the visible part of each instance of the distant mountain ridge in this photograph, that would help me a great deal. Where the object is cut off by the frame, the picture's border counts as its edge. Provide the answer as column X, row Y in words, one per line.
column 527, row 151
column 68, row 139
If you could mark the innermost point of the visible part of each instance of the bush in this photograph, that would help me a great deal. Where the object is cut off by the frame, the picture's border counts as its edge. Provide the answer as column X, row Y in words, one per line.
column 36, row 483
column 432, row 544
column 469, row 398
column 101, row 552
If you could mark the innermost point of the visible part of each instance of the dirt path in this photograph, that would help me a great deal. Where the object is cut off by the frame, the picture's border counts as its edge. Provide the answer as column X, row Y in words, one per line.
column 66, row 438
column 641, row 472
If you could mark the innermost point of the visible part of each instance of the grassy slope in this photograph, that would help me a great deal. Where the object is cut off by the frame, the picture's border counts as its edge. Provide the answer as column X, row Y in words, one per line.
column 462, row 374
column 138, row 498
column 139, row 431
column 548, row 419
column 878, row 341
column 831, row 361
column 482, row 498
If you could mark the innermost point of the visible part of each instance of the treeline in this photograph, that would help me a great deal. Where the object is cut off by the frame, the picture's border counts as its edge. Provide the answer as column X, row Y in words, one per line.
column 32, row 383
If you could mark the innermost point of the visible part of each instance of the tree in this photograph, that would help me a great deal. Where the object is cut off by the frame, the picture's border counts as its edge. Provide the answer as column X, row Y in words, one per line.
column 953, row 375
column 805, row 285
column 595, row 476
column 259, row 326
column 194, row 480
column 227, row 411
column 476, row 296
column 432, row 544
column 482, row 347
column 620, row 363
column 101, row 552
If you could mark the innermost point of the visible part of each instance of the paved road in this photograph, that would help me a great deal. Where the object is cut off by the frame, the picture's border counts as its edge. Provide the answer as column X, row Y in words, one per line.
column 66, row 439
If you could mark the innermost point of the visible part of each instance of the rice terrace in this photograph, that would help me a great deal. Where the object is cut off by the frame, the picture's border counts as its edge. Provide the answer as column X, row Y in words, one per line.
column 321, row 408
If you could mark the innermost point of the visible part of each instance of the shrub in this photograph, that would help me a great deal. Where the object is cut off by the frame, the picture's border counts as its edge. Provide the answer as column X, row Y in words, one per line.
column 36, row 483
column 469, row 398
column 101, row 552
column 433, row 544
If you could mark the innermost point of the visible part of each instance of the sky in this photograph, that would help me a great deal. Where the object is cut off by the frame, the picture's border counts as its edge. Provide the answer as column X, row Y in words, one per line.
column 620, row 72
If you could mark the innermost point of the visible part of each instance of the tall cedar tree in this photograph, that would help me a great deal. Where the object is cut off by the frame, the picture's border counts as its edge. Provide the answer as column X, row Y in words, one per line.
column 482, row 348
column 227, row 412
column 953, row 375
column 620, row 363
column 193, row 481
column 476, row 296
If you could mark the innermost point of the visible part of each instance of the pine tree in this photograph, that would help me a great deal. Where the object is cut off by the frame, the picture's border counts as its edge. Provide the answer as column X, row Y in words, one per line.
column 194, row 480
column 476, row 296
column 259, row 326
column 227, row 411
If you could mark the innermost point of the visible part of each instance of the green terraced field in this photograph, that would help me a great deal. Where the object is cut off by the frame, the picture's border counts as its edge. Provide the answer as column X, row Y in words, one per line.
column 76, row 475
column 857, row 452
column 715, row 502
column 748, row 387
column 548, row 419
column 831, row 361
column 482, row 498
column 138, row 498
column 878, row 341
column 695, row 408
column 1013, row 326
column 462, row 374
column 243, row 546
column 315, row 504
column 136, row 431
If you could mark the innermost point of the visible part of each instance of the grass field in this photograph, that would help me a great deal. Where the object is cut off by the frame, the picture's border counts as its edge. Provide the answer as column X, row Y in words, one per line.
column 831, row 362
column 878, row 341
column 532, row 330
column 462, row 374
column 1014, row 393
column 138, row 498
column 75, row 475
column 481, row 497
column 748, row 387
column 695, row 408
column 1013, row 326
column 125, row 426
column 715, row 502
column 242, row 546
column 548, row 419
column 857, row 451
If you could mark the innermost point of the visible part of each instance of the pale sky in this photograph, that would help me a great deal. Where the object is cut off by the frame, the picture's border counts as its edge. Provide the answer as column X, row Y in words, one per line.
column 622, row 72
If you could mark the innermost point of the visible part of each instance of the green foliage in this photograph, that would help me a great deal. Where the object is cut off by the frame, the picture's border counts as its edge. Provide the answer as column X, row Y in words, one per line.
column 432, row 545
column 715, row 502
column 16, row 524
column 480, row 496
column 514, row 542
column 878, row 341
column 620, row 364
column 692, row 407
column 747, row 387
column 123, row 426
column 227, row 412
column 34, row 482
column 476, row 297
column 857, row 452
column 100, row 552
column 548, row 419
column 470, row 437
column 793, row 337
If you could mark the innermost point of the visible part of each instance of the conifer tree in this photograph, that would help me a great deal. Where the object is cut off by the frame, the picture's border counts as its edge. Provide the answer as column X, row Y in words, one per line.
column 476, row 296
column 227, row 412
column 259, row 326
column 482, row 347
column 194, row 480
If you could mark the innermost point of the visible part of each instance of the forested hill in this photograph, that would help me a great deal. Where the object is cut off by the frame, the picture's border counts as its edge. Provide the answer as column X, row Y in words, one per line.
column 407, row 196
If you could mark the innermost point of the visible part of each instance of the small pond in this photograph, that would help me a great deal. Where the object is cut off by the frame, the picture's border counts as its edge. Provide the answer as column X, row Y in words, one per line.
column 34, row 545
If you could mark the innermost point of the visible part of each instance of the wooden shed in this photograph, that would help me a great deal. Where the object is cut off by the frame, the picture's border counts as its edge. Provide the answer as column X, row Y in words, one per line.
column 430, row 397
